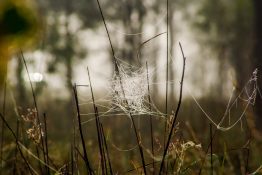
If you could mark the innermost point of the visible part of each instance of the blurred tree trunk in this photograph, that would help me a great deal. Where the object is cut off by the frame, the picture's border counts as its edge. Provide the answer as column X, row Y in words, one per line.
column 133, row 15
column 3, row 69
column 155, row 56
column 171, row 53
column 257, row 63
column 241, row 50
column 69, row 54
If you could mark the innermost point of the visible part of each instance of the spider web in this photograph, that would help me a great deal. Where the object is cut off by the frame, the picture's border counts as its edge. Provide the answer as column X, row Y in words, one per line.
column 126, row 93
column 246, row 97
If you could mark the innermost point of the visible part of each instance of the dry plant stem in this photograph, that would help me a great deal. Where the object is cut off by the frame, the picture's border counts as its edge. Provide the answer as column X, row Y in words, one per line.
column 100, row 143
column 209, row 145
column 167, row 66
column 89, row 170
column 17, row 134
column 38, row 156
column 35, row 104
column 151, row 123
column 145, row 42
column 203, row 160
column 134, row 126
column 110, row 42
column 139, row 143
column 176, row 113
column 46, row 146
column 32, row 89
column 79, row 153
column 106, row 148
column 117, row 72
column 2, row 128
column 108, row 35
column 175, row 161
column 17, row 144
column 135, row 130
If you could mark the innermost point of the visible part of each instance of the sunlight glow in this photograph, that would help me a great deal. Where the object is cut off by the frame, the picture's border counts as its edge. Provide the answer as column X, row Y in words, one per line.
column 35, row 77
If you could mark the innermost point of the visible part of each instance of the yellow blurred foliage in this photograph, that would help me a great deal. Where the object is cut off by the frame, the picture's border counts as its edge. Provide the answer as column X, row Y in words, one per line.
column 19, row 28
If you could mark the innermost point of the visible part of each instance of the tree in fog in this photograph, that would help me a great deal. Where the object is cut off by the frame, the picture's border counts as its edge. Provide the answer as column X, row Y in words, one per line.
column 60, row 39
column 226, row 30
column 233, row 30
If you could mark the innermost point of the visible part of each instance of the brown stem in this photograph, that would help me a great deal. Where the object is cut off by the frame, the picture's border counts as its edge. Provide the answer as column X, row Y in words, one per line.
column 177, row 111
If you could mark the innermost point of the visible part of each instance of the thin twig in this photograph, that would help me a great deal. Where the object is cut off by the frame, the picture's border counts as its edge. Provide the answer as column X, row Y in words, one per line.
column 89, row 170
column 117, row 72
column 145, row 42
column 31, row 86
column 38, row 156
column 107, row 153
column 138, row 140
column 167, row 71
column 139, row 143
column 108, row 35
column 78, row 151
column 134, row 127
column 177, row 111
column 46, row 145
column 100, row 143
column 16, row 148
column 35, row 104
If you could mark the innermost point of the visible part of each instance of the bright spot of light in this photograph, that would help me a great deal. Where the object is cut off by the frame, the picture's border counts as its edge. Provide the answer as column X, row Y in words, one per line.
column 35, row 77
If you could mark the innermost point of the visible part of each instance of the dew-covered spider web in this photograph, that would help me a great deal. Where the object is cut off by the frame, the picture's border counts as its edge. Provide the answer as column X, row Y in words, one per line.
column 246, row 98
column 128, row 92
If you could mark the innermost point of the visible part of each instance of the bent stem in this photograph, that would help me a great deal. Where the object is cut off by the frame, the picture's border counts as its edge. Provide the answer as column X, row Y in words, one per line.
column 37, row 112
column 176, row 113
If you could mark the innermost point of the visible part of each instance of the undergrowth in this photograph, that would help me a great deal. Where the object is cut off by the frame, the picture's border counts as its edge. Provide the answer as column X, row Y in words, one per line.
column 158, row 142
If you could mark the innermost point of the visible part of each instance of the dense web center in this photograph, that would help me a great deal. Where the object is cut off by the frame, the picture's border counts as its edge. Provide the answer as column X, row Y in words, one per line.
column 129, row 89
